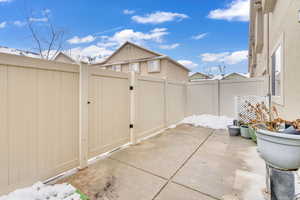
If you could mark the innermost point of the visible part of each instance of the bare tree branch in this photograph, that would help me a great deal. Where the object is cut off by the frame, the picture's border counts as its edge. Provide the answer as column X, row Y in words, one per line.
column 48, row 40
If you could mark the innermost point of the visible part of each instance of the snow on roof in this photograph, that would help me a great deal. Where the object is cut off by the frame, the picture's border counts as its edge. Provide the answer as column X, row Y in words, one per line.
column 217, row 77
column 220, row 77
column 19, row 52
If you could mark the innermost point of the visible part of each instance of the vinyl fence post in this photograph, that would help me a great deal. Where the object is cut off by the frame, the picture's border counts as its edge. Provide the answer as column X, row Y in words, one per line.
column 83, row 115
column 219, row 97
column 166, row 102
column 132, row 92
column 185, row 99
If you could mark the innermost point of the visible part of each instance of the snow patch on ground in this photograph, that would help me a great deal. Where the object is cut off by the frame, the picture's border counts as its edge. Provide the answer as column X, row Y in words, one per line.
column 172, row 126
column 40, row 191
column 209, row 121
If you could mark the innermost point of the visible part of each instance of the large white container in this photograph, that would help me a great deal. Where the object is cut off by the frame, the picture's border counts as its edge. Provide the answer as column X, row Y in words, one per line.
column 280, row 150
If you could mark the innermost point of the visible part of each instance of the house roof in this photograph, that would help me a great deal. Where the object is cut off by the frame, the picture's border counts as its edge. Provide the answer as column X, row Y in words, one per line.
column 157, row 55
column 200, row 74
column 122, row 46
column 221, row 77
column 67, row 56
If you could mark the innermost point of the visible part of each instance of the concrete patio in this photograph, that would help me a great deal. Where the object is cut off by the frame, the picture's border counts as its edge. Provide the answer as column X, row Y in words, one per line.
column 185, row 163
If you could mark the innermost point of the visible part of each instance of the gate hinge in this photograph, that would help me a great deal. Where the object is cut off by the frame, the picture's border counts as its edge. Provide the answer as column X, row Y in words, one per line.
column 130, row 125
column 131, row 87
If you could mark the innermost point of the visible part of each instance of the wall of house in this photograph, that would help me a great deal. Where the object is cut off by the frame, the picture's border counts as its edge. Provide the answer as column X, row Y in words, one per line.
column 168, row 70
column 175, row 72
column 284, row 24
column 130, row 52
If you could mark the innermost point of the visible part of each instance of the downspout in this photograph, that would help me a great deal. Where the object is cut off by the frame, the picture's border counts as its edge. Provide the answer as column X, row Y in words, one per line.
column 268, row 62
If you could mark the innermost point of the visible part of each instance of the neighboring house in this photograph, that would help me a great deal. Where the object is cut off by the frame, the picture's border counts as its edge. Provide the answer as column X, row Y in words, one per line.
column 274, row 47
column 234, row 76
column 231, row 76
column 131, row 57
column 62, row 57
column 198, row 76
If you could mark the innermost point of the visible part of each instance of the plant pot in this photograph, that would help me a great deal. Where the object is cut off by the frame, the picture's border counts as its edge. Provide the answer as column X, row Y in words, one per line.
column 245, row 132
column 279, row 150
column 252, row 133
column 233, row 130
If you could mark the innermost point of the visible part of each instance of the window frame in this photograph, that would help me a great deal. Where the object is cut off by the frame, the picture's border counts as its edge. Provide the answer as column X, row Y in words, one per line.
column 280, row 43
column 117, row 68
column 154, row 71
column 139, row 67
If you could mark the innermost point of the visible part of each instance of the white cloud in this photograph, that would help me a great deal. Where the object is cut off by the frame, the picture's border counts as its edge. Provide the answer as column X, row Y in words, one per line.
column 226, row 57
column 19, row 23
column 78, row 40
column 128, row 12
column 42, row 19
column 213, row 57
column 158, row 17
column 91, row 51
column 237, row 10
column 187, row 63
column 5, row 1
column 199, row 36
column 107, row 44
column 169, row 46
column 236, row 57
column 46, row 11
column 155, row 35
column 3, row 24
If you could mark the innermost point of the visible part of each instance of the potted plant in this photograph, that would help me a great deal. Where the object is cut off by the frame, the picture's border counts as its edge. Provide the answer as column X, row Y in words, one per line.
column 245, row 131
column 234, row 130
column 278, row 140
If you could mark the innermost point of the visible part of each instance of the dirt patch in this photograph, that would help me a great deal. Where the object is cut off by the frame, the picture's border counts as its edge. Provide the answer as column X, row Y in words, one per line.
column 98, row 183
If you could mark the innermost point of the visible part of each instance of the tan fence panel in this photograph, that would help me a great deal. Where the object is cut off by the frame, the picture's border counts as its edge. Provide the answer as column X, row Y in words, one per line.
column 176, row 102
column 150, row 106
column 109, row 117
column 202, row 98
column 229, row 89
column 38, row 121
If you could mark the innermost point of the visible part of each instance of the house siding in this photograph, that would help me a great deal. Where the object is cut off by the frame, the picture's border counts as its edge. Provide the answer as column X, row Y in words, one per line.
column 284, row 26
column 130, row 52
column 176, row 72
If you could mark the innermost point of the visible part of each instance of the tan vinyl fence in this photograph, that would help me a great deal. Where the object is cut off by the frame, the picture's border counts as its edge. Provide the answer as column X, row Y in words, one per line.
column 218, row 97
column 55, row 116
column 109, row 111
column 150, row 106
column 38, row 120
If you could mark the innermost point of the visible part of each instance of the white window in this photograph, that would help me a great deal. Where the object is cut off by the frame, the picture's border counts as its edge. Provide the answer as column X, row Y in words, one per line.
column 135, row 67
column 117, row 68
column 277, row 73
column 154, row 66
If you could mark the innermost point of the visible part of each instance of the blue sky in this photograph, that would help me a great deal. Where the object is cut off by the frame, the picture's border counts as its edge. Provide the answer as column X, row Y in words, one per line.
column 199, row 33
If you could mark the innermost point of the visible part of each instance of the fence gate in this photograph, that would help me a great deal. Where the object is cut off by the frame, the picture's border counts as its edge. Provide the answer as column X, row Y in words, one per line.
column 109, row 111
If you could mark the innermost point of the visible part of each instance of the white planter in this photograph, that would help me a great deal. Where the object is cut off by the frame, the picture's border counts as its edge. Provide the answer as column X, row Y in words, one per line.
column 279, row 150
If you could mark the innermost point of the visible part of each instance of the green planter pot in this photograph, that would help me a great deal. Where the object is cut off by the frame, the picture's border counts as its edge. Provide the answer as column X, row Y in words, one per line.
column 245, row 132
column 252, row 133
